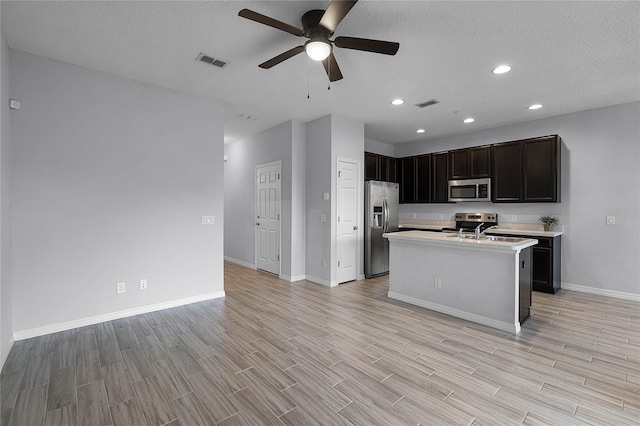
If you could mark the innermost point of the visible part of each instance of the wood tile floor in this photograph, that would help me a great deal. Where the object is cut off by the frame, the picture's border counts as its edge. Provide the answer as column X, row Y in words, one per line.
column 273, row 352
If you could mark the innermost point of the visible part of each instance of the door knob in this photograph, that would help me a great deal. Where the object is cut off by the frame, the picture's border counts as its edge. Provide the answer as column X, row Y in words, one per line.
column 355, row 228
column 257, row 223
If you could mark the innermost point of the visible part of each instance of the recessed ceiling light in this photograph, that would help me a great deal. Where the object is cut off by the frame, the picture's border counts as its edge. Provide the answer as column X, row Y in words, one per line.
column 535, row 106
column 468, row 120
column 397, row 102
column 501, row 69
column 420, row 131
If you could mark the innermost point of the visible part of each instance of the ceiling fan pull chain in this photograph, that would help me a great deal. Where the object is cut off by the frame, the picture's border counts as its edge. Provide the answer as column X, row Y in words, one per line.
column 329, row 72
column 308, row 94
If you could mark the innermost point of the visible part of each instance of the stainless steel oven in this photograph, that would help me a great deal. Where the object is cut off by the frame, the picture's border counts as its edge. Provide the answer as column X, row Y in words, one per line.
column 470, row 190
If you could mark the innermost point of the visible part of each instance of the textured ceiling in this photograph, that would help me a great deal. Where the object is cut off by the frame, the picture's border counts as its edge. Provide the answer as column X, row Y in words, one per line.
column 568, row 56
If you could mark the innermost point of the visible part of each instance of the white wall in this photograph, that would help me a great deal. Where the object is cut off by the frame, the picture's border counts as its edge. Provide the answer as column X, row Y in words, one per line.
column 110, row 178
column 600, row 177
column 6, row 298
column 379, row 148
column 285, row 142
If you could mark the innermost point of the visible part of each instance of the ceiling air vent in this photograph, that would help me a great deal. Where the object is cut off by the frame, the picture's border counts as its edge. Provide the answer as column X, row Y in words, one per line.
column 203, row 57
column 246, row 117
column 427, row 103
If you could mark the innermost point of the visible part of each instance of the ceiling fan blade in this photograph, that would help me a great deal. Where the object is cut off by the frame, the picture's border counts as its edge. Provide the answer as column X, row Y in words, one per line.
column 375, row 46
column 335, row 13
column 332, row 68
column 282, row 57
column 263, row 19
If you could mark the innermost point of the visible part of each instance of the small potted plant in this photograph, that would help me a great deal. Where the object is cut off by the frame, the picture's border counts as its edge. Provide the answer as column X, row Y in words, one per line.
column 549, row 222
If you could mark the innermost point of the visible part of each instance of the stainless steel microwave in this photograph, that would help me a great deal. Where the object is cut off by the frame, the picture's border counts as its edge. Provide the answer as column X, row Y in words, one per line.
column 470, row 190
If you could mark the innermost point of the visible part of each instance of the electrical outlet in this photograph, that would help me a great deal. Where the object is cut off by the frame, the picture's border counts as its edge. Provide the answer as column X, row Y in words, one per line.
column 323, row 263
column 611, row 220
column 514, row 218
column 143, row 284
column 120, row 288
column 437, row 282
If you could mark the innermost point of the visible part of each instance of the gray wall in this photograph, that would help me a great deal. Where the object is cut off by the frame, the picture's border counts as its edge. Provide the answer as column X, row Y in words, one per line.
column 110, row 178
column 318, row 247
column 379, row 148
column 6, row 298
column 600, row 177
column 347, row 142
column 285, row 142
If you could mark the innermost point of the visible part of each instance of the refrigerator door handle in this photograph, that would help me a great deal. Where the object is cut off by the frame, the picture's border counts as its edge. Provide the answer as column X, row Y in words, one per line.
column 386, row 214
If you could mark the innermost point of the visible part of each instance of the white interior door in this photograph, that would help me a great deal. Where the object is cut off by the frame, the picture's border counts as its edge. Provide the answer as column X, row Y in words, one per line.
column 347, row 221
column 268, row 217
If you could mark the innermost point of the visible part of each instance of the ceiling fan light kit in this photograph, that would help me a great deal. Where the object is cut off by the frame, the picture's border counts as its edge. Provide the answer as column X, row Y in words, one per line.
column 318, row 50
column 318, row 26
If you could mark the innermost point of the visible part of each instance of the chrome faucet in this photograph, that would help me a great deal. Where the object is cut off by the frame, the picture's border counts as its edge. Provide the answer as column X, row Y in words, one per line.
column 480, row 233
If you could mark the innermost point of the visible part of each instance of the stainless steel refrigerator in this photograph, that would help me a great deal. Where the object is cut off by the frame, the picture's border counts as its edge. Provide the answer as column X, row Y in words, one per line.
column 381, row 201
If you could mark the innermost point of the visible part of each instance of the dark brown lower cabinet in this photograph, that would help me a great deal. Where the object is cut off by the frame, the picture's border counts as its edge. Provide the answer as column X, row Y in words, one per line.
column 546, row 264
column 525, row 276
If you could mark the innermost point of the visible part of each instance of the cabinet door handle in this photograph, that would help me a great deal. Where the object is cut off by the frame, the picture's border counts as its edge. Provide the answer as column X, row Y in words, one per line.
column 524, row 264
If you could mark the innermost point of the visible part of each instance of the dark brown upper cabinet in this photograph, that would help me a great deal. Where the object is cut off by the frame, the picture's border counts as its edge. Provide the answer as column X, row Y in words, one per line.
column 527, row 171
column 379, row 167
column 440, row 177
column 470, row 163
column 506, row 185
column 541, row 169
column 423, row 178
column 371, row 171
column 407, row 179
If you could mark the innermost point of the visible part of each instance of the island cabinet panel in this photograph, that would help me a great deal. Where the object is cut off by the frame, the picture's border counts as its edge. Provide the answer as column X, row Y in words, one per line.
column 407, row 180
column 423, row 178
column 439, row 178
column 470, row 163
column 525, row 275
column 506, row 185
column 541, row 169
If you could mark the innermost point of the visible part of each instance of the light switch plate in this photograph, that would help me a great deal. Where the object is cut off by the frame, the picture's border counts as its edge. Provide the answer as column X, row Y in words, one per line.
column 325, row 195
column 611, row 220
column 208, row 220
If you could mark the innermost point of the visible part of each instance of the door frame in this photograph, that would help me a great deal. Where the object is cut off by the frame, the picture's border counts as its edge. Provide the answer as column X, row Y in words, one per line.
column 360, row 219
column 255, row 210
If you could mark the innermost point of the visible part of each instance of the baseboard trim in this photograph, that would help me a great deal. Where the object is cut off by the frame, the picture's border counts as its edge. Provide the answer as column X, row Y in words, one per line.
column 321, row 281
column 601, row 291
column 4, row 351
column 292, row 279
column 82, row 322
column 240, row 262
column 500, row 325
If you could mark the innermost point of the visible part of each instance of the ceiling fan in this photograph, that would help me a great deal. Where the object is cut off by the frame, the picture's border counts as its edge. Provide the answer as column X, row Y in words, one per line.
column 318, row 26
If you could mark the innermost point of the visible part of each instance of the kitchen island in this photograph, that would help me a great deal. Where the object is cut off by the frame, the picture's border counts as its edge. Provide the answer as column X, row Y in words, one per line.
column 486, row 280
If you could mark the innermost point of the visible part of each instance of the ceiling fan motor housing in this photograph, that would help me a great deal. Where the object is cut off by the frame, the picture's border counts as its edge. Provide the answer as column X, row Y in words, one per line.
column 312, row 27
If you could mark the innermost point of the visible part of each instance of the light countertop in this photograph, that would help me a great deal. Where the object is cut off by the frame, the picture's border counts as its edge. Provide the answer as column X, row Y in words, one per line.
column 497, row 231
column 452, row 240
